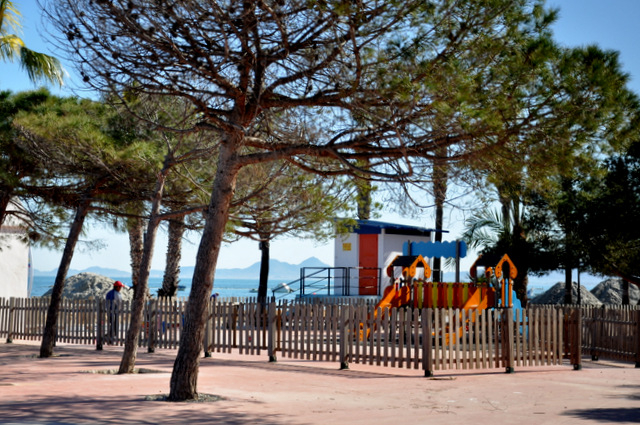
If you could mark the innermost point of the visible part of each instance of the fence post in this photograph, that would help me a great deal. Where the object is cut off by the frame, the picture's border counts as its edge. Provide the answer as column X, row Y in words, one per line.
column 576, row 340
column 638, row 338
column 208, row 328
column 507, row 339
column 272, row 332
column 12, row 309
column 598, row 332
column 427, row 330
column 344, row 337
column 234, row 325
column 99, row 316
column 152, row 325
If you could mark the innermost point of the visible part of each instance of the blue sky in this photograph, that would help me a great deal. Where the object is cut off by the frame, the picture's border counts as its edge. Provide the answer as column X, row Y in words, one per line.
column 610, row 24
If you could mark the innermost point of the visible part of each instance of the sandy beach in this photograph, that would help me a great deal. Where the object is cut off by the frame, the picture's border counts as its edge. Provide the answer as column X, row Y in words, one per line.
column 75, row 388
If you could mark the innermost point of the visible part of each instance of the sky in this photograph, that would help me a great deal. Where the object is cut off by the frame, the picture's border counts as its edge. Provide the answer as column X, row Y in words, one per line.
column 609, row 24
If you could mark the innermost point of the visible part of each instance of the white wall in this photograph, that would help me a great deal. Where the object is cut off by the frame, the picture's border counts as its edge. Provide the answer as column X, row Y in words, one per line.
column 346, row 254
column 346, row 250
column 14, row 256
column 391, row 247
column 14, row 265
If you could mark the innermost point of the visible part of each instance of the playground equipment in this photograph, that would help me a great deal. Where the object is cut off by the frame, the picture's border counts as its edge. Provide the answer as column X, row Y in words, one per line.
column 492, row 290
column 399, row 293
column 501, row 275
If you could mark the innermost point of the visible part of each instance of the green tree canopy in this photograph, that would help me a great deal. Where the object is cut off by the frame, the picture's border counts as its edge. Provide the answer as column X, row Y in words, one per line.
column 607, row 212
column 335, row 76
column 590, row 113
column 82, row 169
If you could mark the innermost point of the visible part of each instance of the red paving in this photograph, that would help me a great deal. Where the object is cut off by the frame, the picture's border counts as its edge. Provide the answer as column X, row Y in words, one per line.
column 61, row 390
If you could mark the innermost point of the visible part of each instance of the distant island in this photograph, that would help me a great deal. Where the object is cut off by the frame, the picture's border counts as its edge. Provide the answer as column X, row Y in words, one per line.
column 277, row 270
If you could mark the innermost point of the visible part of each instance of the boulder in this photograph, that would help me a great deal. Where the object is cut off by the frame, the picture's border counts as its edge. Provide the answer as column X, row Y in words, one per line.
column 555, row 295
column 89, row 285
column 610, row 292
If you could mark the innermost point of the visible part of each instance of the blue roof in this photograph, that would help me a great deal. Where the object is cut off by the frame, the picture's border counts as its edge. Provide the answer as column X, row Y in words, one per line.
column 371, row 227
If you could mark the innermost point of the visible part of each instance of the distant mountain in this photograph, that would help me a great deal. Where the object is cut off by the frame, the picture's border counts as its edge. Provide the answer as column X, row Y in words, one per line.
column 113, row 273
column 277, row 270
column 289, row 272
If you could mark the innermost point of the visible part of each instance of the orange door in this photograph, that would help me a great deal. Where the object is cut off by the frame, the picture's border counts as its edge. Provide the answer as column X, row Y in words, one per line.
column 368, row 253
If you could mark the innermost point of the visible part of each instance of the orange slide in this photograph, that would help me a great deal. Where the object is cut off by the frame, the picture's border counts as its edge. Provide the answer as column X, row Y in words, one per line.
column 474, row 304
column 393, row 297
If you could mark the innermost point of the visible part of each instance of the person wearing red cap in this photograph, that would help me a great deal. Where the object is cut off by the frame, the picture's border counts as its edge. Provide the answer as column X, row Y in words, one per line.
column 114, row 294
column 113, row 298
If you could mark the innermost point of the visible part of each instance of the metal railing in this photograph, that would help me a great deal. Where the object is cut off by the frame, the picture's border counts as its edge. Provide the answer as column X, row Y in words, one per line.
column 337, row 281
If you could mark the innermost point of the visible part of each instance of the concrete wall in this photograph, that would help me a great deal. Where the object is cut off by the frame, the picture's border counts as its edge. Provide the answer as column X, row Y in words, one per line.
column 14, row 264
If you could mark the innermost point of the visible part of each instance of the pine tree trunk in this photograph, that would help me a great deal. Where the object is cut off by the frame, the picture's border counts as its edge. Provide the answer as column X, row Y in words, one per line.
column 364, row 199
column 440, row 195
column 185, row 369
column 264, row 271
column 128, row 361
column 520, row 284
column 5, row 197
column 171, row 277
column 136, row 247
column 568, row 286
column 437, row 261
column 51, row 324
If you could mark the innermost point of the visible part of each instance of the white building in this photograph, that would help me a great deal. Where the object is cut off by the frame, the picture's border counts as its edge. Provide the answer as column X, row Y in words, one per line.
column 367, row 250
column 14, row 259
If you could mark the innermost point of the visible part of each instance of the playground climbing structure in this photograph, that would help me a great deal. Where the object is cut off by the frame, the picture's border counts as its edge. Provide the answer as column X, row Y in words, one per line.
column 411, row 288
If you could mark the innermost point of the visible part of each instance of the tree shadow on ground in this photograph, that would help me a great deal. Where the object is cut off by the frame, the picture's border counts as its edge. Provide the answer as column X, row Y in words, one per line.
column 635, row 396
column 306, row 367
column 607, row 415
column 127, row 411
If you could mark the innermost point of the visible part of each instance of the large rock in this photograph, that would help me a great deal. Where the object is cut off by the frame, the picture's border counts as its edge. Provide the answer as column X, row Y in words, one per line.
column 89, row 285
column 610, row 292
column 555, row 295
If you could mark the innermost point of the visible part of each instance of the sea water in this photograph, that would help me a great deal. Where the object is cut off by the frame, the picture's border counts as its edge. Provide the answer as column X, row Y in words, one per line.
column 224, row 287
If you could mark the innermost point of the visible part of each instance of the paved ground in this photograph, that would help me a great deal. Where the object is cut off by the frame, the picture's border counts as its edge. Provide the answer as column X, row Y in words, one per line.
column 63, row 390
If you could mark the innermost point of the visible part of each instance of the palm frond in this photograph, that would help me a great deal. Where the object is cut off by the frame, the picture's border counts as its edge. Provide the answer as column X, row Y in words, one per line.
column 483, row 228
column 9, row 17
column 10, row 46
column 41, row 67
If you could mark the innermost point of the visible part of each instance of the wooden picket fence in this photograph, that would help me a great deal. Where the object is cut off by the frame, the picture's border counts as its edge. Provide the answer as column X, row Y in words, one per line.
column 88, row 321
column 431, row 339
column 428, row 339
column 24, row 318
column 612, row 333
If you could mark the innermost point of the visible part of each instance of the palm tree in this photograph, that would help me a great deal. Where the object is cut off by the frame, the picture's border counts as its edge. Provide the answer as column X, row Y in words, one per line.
column 504, row 232
column 39, row 66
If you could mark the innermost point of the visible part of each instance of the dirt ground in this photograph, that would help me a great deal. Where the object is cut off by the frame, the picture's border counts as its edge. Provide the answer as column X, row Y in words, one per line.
column 75, row 388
